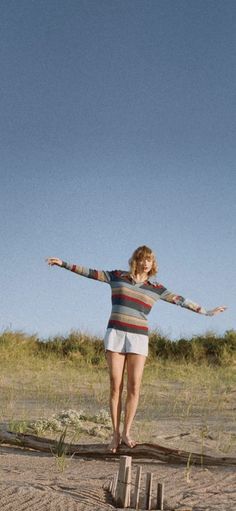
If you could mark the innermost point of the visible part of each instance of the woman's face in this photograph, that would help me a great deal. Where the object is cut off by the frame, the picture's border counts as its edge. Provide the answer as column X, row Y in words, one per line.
column 145, row 264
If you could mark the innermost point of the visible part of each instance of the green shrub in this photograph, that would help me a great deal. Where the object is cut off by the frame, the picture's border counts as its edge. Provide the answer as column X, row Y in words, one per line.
column 83, row 349
column 209, row 348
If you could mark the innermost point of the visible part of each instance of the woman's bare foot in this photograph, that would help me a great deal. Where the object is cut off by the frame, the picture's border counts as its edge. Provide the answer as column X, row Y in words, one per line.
column 114, row 444
column 125, row 439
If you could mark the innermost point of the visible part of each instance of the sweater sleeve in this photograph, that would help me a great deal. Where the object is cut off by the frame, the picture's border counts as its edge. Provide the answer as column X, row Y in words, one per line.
column 102, row 276
column 170, row 297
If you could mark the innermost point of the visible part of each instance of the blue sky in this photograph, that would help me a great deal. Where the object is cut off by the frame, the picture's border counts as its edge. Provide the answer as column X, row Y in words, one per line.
column 117, row 129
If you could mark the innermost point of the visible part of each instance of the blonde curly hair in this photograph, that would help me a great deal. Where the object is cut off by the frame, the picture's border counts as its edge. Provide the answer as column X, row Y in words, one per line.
column 140, row 253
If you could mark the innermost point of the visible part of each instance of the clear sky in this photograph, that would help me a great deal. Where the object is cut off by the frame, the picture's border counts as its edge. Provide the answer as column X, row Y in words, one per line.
column 117, row 129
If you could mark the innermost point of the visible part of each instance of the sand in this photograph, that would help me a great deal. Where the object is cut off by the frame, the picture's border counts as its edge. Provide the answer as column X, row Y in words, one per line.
column 40, row 482
column 33, row 481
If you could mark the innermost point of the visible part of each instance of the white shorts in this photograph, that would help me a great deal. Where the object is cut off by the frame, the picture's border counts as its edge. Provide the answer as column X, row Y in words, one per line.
column 125, row 342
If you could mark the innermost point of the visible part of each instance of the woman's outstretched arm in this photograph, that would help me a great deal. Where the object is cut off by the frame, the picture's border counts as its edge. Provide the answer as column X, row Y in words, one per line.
column 170, row 297
column 102, row 276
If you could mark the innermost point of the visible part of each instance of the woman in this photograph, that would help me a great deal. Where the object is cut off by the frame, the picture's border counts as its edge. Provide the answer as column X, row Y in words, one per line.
column 126, row 338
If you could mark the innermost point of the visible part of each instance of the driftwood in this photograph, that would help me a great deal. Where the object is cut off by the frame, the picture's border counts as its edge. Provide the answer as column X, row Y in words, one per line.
column 145, row 450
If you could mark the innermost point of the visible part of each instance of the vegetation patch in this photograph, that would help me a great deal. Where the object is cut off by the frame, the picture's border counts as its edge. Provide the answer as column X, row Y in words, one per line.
column 73, row 420
column 82, row 349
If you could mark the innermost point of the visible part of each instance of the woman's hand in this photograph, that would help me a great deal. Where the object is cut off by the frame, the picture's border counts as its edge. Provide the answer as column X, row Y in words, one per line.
column 54, row 260
column 217, row 310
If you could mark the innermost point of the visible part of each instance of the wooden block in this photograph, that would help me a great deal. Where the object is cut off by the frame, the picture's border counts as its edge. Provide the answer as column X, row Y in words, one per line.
column 160, row 496
column 148, row 492
column 127, row 486
column 136, row 495
column 114, row 484
column 124, row 482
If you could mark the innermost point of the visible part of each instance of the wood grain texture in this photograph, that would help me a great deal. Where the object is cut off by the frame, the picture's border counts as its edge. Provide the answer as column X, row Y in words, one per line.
column 140, row 451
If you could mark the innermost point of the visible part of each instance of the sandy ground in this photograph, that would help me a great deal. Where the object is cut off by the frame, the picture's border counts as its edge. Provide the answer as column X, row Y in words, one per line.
column 33, row 481
column 40, row 482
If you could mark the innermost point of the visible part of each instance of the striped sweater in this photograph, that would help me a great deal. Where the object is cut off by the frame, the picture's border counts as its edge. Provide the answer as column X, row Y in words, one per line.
column 131, row 301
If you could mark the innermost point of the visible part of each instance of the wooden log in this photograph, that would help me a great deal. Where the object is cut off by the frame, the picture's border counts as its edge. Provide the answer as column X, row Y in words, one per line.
column 160, row 496
column 123, row 482
column 146, row 450
column 148, row 491
column 135, row 500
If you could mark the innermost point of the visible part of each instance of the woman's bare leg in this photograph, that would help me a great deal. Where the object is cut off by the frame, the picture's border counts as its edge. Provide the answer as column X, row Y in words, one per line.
column 135, row 365
column 116, row 364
